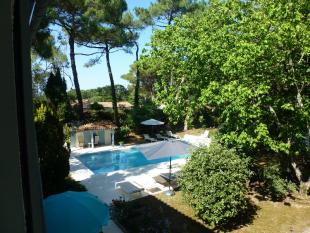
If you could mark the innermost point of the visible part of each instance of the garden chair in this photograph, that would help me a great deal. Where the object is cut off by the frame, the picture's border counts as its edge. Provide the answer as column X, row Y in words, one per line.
column 170, row 134
column 159, row 136
column 128, row 189
column 148, row 138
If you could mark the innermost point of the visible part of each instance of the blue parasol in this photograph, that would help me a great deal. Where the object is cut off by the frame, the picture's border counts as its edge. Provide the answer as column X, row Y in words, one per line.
column 76, row 212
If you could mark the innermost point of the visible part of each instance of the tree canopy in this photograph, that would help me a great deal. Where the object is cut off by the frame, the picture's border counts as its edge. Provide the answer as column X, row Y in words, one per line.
column 247, row 59
column 162, row 12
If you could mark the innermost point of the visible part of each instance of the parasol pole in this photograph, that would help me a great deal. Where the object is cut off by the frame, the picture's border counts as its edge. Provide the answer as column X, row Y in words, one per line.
column 170, row 192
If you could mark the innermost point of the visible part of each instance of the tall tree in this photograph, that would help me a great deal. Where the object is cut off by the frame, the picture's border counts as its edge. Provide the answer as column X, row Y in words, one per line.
column 70, row 16
column 250, row 61
column 134, row 25
column 162, row 12
column 38, row 14
column 53, row 156
column 44, row 61
column 107, row 35
column 56, row 93
column 147, row 76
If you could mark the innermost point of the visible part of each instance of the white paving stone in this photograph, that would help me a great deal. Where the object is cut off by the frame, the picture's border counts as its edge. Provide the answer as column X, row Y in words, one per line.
column 103, row 185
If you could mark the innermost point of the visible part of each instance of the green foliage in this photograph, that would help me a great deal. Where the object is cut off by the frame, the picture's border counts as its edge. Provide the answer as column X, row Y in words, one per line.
column 107, row 34
column 162, row 12
column 213, row 182
column 55, row 89
column 67, row 135
column 275, row 186
column 73, row 185
column 247, row 61
column 95, row 106
column 43, row 62
column 123, row 133
column 56, row 93
column 147, row 71
column 53, row 157
column 135, row 116
column 102, row 94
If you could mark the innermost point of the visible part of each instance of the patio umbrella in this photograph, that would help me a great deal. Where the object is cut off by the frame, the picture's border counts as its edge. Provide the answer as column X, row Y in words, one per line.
column 164, row 149
column 152, row 122
column 75, row 212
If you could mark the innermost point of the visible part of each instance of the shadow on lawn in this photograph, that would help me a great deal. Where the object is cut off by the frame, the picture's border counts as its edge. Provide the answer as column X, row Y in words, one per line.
column 244, row 219
column 150, row 215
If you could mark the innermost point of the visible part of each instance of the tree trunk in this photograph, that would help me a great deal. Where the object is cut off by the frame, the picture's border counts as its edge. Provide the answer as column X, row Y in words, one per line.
column 114, row 99
column 304, row 186
column 137, row 86
column 75, row 77
column 186, row 121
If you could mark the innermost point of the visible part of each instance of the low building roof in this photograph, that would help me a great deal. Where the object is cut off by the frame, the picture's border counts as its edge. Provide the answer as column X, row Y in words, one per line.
column 97, row 125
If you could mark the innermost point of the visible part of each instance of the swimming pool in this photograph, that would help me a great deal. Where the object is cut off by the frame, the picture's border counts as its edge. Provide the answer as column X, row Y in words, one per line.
column 108, row 161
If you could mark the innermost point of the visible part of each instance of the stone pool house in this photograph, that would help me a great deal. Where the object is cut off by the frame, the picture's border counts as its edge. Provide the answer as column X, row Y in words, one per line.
column 93, row 134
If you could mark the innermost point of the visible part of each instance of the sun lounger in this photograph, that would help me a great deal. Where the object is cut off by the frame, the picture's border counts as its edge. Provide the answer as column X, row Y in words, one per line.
column 148, row 138
column 170, row 134
column 168, row 176
column 159, row 136
column 128, row 189
column 205, row 134
column 163, row 179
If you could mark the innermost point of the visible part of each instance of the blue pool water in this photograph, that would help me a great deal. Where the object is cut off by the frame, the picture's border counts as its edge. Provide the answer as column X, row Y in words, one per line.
column 108, row 161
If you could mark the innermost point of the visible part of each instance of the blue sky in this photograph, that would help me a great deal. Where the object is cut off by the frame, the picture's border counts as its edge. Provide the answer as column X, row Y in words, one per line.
column 97, row 76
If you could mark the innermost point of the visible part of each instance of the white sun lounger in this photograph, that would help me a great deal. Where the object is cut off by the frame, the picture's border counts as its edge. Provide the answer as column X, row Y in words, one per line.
column 148, row 138
column 159, row 136
column 170, row 134
column 128, row 188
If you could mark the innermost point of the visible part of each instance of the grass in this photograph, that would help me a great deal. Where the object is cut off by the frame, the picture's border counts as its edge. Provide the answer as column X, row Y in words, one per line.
column 292, row 216
column 198, row 131
column 172, row 214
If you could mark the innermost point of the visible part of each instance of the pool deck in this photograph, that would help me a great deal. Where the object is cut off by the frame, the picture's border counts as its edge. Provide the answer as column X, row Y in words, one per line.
column 103, row 185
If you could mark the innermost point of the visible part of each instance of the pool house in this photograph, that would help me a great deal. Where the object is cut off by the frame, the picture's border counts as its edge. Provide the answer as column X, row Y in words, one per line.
column 93, row 134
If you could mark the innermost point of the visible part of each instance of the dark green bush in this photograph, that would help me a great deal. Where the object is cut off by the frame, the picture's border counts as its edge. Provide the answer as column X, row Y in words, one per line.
column 53, row 156
column 276, row 187
column 213, row 182
column 73, row 185
column 96, row 106
column 124, row 131
column 136, row 116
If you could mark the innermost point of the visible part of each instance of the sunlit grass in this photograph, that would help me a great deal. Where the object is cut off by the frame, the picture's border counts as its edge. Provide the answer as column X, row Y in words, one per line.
column 271, row 217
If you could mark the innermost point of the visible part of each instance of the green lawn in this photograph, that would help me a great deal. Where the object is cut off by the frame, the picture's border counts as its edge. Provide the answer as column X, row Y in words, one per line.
column 198, row 131
column 291, row 216
column 161, row 213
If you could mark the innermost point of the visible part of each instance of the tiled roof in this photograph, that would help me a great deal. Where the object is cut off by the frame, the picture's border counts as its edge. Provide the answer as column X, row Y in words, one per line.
column 97, row 125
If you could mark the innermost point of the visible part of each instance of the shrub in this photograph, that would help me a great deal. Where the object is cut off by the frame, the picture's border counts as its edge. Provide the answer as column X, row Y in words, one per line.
column 73, row 185
column 96, row 106
column 134, row 117
column 213, row 182
column 53, row 156
column 276, row 187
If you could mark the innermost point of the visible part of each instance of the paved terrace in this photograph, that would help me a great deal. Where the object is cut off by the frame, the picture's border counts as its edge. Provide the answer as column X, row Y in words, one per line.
column 103, row 185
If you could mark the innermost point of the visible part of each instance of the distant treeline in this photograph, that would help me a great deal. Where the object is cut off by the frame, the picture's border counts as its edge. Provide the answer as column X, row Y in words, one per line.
column 101, row 94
